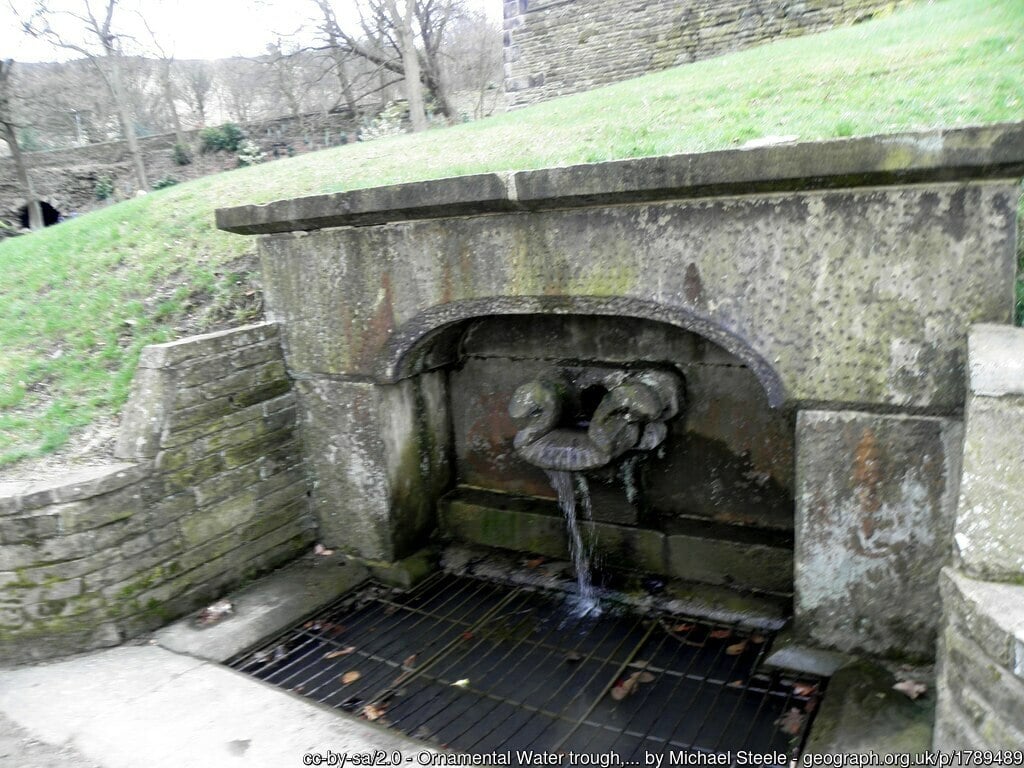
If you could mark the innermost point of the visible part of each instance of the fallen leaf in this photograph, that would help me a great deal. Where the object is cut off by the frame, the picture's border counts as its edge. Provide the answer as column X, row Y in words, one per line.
column 298, row 688
column 332, row 629
column 370, row 712
column 792, row 722
column 211, row 614
column 736, row 648
column 720, row 634
column 810, row 705
column 535, row 562
column 410, row 662
column 736, row 684
column 805, row 689
column 338, row 654
column 911, row 689
column 757, row 638
column 467, row 635
column 683, row 628
column 572, row 657
column 463, row 683
column 322, row 551
column 646, row 677
column 350, row 677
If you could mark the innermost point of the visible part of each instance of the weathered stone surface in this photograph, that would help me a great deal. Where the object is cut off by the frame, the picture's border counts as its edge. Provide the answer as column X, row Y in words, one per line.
column 837, row 326
column 996, row 360
column 379, row 458
column 876, row 498
column 862, row 713
column 989, row 529
column 731, row 563
column 991, row 614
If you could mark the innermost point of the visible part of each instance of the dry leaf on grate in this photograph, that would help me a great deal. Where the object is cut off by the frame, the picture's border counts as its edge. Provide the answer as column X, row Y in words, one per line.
column 343, row 652
column 737, row 648
column 792, row 722
column 350, row 677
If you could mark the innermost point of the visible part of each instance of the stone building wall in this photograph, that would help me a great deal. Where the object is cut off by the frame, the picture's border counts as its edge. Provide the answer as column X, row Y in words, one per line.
column 556, row 47
column 981, row 649
column 212, row 491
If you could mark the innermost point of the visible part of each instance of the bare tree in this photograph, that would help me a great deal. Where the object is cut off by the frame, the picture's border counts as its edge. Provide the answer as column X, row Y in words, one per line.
column 8, row 132
column 389, row 33
column 166, row 62
column 197, row 78
column 102, row 46
column 402, row 18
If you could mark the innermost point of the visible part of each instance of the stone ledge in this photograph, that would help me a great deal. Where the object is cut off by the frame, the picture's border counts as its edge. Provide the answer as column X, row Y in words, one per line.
column 265, row 607
column 980, row 152
column 175, row 352
column 996, row 360
column 78, row 485
column 991, row 614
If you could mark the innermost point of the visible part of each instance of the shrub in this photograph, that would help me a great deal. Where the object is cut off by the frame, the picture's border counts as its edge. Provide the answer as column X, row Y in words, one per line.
column 181, row 155
column 164, row 183
column 249, row 153
column 103, row 188
column 227, row 138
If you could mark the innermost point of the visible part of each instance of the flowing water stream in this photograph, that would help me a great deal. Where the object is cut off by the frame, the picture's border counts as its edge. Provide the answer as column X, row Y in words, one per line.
column 566, row 484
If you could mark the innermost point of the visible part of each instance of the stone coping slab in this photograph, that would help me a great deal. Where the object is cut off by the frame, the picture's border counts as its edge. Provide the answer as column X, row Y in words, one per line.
column 980, row 152
column 264, row 607
column 74, row 486
column 996, row 360
column 994, row 612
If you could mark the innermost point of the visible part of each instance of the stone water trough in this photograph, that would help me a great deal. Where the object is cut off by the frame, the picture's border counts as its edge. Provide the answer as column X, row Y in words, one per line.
column 758, row 360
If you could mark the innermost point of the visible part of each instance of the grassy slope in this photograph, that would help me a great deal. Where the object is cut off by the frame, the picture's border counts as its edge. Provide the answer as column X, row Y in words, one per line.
column 78, row 301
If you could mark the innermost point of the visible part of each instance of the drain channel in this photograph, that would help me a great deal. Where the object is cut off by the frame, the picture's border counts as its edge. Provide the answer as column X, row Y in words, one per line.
column 481, row 667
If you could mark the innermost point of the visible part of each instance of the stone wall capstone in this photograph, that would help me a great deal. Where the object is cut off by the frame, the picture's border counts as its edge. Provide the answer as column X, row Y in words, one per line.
column 557, row 47
column 212, row 492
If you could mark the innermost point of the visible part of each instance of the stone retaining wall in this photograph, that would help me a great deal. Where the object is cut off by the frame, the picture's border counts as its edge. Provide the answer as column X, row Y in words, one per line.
column 212, row 492
column 556, row 47
column 981, row 650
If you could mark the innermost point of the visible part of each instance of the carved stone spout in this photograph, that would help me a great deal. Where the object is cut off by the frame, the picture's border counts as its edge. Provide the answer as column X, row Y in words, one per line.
column 630, row 415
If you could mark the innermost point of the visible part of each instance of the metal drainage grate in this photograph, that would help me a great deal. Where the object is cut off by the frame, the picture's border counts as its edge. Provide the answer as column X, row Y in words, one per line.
column 482, row 667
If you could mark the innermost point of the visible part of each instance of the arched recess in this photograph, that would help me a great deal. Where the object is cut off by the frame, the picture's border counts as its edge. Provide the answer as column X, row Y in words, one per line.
column 424, row 342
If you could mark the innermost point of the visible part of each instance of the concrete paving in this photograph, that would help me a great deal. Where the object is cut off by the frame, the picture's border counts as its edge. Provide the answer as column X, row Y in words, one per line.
column 170, row 704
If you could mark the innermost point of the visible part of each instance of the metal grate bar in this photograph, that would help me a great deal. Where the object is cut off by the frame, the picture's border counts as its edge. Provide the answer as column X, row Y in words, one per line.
column 474, row 665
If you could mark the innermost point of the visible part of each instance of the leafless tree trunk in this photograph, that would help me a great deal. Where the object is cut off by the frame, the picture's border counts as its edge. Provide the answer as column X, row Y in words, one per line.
column 100, row 28
column 402, row 19
column 8, row 132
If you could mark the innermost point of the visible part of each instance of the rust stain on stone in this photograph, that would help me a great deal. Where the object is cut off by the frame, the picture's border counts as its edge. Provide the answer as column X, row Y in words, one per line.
column 867, row 478
column 379, row 325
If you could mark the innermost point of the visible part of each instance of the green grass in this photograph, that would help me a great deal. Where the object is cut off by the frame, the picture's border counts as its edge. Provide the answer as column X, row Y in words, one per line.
column 78, row 301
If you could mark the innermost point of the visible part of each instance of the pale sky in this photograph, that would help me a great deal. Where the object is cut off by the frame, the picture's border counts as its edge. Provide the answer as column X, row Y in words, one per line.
column 190, row 29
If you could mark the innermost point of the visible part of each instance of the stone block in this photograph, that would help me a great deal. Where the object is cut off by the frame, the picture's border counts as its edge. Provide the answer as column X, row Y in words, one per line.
column 174, row 353
column 966, row 664
column 996, row 360
column 991, row 614
column 100, row 510
column 378, row 459
column 876, row 497
column 730, row 563
column 220, row 518
column 990, row 520
column 145, row 414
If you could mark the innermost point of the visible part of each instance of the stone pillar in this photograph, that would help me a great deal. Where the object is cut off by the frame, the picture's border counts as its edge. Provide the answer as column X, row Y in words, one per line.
column 379, row 457
column 875, row 500
column 981, row 651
